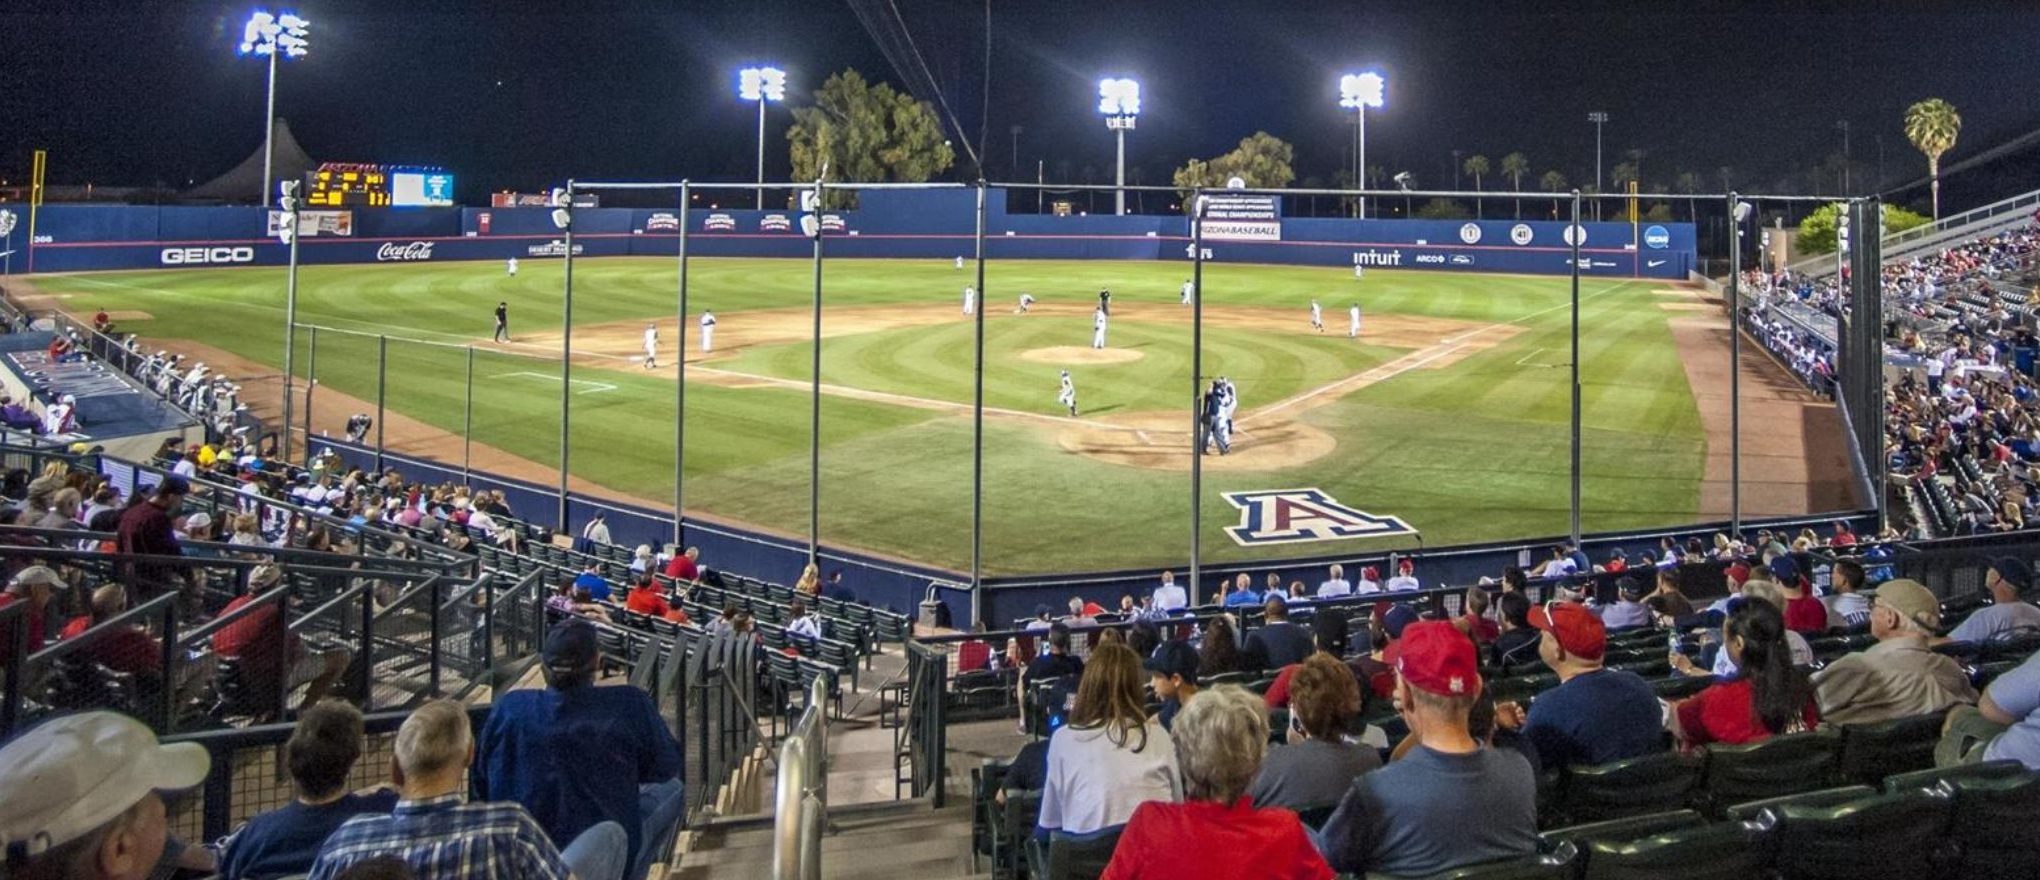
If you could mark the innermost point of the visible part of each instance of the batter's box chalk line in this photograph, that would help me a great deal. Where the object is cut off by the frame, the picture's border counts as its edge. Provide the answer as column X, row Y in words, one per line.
column 584, row 386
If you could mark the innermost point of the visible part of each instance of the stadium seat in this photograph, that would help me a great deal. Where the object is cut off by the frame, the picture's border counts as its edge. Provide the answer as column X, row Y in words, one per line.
column 1080, row 857
column 1721, row 851
column 1993, row 822
column 1621, row 830
column 1680, row 687
column 1871, row 752
column 1646, row 784
column 1776, row 767
column 1934, row 777
column 1559, row 864
column 1879, row 837
column 1826, row 797
column 1015, row 826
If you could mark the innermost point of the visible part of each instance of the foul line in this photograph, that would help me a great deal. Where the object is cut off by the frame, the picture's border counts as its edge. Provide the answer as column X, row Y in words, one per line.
column 594, row 387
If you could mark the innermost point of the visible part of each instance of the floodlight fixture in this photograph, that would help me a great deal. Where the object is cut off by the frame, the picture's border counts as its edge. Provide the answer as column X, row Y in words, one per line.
column 761, row 84
column 1119, row 97
column 272, row 36
column 1357, row 90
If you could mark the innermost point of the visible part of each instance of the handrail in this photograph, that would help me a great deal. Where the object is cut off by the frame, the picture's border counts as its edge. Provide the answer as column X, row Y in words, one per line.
column 800, row 800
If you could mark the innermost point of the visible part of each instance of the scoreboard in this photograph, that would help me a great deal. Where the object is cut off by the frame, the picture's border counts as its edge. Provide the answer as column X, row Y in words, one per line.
column 345, row 184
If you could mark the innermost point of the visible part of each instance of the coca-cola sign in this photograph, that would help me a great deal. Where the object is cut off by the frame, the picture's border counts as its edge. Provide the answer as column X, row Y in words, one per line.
column 391, row 252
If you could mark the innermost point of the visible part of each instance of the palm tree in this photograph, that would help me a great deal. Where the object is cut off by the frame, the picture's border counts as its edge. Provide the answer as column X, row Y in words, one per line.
column 1516, row 165
column 1689, row 183
column 1476, row 165
column 1553, row 182
column 1932, row 125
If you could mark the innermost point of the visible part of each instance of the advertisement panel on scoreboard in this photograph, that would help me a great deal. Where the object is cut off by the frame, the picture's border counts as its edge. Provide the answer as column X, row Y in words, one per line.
column 421, row 189
column 1242, row 217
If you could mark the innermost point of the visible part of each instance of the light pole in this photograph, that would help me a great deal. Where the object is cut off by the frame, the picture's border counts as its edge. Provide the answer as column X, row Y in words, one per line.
column 1599, row 119
column 1119, row 100
column 761, row 84
column 1360, row 91
column 287, row 230
column 273, row 35
column 1843, row 124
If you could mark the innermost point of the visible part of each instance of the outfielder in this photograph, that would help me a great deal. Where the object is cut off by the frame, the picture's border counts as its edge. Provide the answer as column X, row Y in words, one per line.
column 1026, row 302
column 707, row 332
column 1188, row 290
column 502, row 322
column 1317, row 317
column 651, row 345
column 1353, row 322
column 512, row 267
column 959, row 261
column 1098, row 322
column 969, row 299
column 1068, row 397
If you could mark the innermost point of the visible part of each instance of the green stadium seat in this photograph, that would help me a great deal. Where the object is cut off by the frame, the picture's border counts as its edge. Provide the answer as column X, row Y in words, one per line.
column 1621, row 830
column 1879, row 837
column 1993, row 825
column 1826, row 797
column 1080, row 858
column 1776, row 767
column 1871, row 752
column 1680, row 687
column 1721, row 851
column 1559, row 864
column 1934, row 777
column 1645, row 784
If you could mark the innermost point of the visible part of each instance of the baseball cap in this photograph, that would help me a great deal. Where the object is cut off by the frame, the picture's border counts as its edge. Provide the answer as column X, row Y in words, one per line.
column 86, row 770
column 1912, row 599
column 1738, row 571
column 570, row 644
column 175, row 485
column 2015, row 571
column 1397, row 619
column 1784, row 569
column 37, row 574
column 198, row 520
column 1577, row 630
column 1437, row 658
column 1629, row 587
column 1173, row 658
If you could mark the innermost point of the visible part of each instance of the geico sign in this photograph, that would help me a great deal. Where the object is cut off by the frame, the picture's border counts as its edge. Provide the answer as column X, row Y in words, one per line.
column 393, row 252
column 197, row 255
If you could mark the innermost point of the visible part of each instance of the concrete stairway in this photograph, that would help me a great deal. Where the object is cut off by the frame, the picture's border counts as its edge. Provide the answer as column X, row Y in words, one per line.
column 889, row 841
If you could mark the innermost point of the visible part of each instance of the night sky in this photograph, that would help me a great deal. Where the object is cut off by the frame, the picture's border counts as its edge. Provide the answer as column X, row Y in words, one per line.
column 521, row 95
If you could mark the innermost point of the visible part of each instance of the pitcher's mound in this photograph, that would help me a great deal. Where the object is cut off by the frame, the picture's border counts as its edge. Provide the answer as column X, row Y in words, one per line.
column 1161, row 441
column 1072, row 354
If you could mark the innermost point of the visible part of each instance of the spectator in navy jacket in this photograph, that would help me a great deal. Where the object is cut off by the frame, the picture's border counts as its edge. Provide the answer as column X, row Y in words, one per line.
column 320, row 755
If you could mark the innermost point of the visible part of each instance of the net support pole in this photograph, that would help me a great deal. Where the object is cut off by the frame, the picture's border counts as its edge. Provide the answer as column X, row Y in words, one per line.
column 815, row 397
column 567, row 361
column 680, row 386
column 382, row 385
column 977, row 425
column 289, row 335
column 1197, row 425
column 311, row 379
column 1734, row 371
column 1573, row 236
column 467, row 419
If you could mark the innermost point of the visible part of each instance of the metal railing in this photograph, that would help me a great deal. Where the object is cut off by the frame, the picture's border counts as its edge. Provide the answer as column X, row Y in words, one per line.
column 801, row 797
column 1901, row 245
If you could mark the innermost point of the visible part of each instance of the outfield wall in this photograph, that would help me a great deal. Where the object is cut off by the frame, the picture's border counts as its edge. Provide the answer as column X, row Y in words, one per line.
column 913, row 224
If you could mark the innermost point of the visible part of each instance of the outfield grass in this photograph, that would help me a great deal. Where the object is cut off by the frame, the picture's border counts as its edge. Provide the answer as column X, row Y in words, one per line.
column 1473, row 451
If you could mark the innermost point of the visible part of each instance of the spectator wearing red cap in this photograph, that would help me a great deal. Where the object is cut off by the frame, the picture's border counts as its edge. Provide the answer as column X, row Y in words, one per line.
column 1769, row 696
column 1369, row 582
column 1451, row 801
column 1595, row 715
column 1405, row 580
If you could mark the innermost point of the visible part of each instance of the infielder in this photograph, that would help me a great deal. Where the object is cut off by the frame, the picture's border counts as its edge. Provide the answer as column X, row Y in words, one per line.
column 1353, row 322
column 1068, row 397
column 707, row 332
column 651, row 346
column 1188, row 290
column 512, row 267
column 969, row 299
column 1317, row 317
column 1098, row 322
column 502, row 322
column 1026, row 302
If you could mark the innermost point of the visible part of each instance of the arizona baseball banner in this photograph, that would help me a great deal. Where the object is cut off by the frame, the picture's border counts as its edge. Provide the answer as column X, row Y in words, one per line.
column 1242, row 217
column 1290, row 516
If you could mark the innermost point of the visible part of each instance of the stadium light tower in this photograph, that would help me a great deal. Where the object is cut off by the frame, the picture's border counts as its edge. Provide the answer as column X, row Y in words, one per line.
column 1361, row 91
column 761, row 84
column 275, row 35
column 1119, row 100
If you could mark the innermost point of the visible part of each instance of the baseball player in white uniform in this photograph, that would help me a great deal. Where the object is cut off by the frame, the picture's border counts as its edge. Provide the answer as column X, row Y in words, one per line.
column 1229, row 402
column 969, row 299
column 512, row 267
column 1098, row 322
column 1068, row 397
column 651, row 345
column 959, row 261
column 1317, row 317
column 1353, row 322
column 707, row 332
column 1188, row 290
column 1026, row 302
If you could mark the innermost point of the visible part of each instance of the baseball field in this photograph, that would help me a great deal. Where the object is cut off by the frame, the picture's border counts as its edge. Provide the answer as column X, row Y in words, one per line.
column 1449, row 413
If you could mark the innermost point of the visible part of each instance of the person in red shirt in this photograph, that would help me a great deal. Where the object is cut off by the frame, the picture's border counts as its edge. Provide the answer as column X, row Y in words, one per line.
column 254, row 638
column 130, row 650
column 645, row 597
column 32, row 586
column 1804, row 612
column 146, row 529
column 1220, row 738
column 1474, row 622
column 684, row 566
column 1768, row 697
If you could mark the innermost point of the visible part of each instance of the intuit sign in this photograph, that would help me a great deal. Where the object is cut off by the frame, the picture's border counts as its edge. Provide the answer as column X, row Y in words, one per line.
column 1377, row 258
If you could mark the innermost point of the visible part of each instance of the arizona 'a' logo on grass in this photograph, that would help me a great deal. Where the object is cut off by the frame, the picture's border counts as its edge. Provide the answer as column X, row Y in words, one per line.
column 1289, row 516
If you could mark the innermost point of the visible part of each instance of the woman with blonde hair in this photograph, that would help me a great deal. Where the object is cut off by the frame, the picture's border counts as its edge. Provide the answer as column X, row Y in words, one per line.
column 1217, row 831
column 810, row 582
column 1110, row 757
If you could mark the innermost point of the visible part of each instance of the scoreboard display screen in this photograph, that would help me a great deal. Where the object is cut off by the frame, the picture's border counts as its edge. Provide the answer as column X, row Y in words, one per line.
column 336, row 185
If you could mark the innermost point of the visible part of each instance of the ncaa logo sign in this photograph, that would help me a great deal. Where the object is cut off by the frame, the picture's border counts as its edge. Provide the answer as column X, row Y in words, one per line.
column 1521, row 233
column 1294, row 516
column 1469, row 233
column 1657, row 237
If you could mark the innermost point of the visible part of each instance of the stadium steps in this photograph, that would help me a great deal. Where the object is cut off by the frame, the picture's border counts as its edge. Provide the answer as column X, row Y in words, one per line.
column 888, row 841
